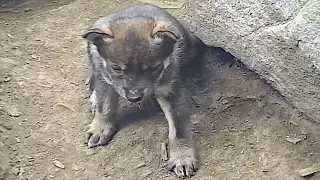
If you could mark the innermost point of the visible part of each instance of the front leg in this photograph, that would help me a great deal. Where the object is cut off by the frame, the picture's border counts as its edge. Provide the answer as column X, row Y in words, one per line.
column 103, row 127
column 182, row 159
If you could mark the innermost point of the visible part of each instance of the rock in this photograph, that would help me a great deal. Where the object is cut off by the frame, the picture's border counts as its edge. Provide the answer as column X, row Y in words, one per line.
column 309, row 170
column 58, row 164
column 27, row 9
column 75, row 167
column 15, row 170
column 278, row 39
column 293, row 140
column 12, row 111
column 18, row 140
column 197, row 101
column 10, row 36
column 34, row 56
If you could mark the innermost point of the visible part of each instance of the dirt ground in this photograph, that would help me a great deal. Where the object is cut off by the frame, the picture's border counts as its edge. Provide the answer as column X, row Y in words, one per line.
column 244, row 129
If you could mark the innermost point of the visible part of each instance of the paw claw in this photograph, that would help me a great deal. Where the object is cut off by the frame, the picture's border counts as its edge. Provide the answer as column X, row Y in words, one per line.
column 91, row 145
column 183, row 163
column 94, row 140
column 190, row 171
column 179, row 170
column 94, row 137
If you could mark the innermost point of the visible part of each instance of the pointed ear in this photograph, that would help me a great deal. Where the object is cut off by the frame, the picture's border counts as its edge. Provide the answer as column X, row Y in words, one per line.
column 167, row 29
column 99, row 33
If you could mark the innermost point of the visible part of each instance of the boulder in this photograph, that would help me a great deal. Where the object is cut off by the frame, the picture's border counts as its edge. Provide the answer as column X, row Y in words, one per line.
column 278, row 39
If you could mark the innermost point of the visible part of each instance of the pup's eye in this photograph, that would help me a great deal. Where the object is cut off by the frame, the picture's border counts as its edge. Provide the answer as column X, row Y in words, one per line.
column 116, row 68
column 158, row 35
column 158, row 38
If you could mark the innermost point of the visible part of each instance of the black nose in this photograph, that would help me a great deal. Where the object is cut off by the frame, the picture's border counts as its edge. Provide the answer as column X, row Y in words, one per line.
column 134, row 98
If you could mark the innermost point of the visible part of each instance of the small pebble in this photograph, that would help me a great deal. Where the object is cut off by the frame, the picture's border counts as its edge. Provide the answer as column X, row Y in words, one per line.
column 27, row 9
column 140, row 165
column 12, row 111
column 75, row 168
column 10, row 36
column 34, row 56
column 28, row 135
column 309, row 170
column 293, row 140
column 58, row 164
column 18, row 140
column 15, row 170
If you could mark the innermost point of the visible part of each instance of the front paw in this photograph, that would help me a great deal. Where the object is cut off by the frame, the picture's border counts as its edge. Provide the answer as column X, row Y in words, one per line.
column 99, row 136
column 182, row 161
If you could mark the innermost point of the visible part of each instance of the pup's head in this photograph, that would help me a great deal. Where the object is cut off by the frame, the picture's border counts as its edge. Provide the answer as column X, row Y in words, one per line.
column 134, row 54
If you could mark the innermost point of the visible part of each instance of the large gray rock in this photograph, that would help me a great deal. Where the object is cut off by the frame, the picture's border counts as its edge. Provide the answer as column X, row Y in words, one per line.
column 279, row 39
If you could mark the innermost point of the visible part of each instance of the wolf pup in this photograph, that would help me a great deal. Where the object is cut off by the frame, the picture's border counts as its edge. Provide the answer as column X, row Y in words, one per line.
column 134, row 53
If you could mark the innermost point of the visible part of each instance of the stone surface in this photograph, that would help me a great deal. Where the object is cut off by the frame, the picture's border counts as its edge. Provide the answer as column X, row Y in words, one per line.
column 279, row 39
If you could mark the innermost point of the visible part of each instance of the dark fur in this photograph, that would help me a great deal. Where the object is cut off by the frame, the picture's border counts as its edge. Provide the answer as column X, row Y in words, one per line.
column 127, row 60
